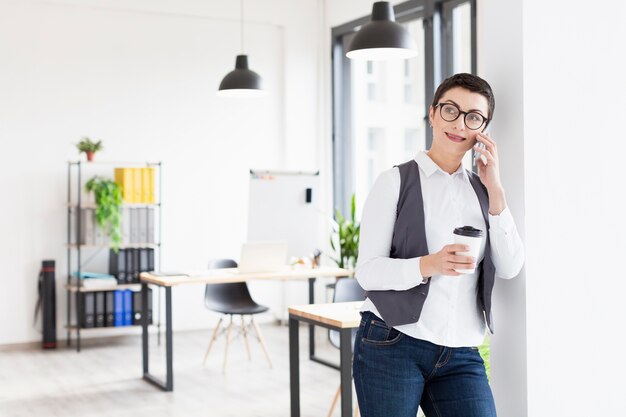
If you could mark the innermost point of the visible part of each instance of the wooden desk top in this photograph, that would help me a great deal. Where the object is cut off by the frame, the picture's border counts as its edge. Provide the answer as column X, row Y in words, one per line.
column 341, row 315
column 226, row 275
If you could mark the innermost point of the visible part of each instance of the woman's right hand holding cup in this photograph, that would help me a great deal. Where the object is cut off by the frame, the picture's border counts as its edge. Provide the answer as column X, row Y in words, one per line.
column 445, row 262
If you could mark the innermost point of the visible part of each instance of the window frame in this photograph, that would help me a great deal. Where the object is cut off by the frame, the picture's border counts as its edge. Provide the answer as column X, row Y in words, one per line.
column 438, row 49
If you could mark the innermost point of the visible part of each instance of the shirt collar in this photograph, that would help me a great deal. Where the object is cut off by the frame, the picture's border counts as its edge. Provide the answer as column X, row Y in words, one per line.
column 430, row 167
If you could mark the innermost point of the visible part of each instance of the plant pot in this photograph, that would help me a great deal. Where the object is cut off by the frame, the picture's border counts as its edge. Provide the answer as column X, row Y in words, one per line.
column 90, row 156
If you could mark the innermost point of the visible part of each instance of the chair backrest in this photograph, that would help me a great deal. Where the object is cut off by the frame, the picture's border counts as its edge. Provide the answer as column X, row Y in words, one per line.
column 346, row 289
column 220, row 296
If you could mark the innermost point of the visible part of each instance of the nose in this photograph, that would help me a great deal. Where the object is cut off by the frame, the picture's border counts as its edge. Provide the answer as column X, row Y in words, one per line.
column 459, row 123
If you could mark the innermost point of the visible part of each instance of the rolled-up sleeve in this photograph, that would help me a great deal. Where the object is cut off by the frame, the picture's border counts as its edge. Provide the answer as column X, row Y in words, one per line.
column 507, row 249
column 375, row 269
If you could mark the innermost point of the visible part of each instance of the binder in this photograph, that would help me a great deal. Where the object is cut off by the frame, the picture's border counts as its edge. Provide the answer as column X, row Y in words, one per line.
column 137, row 265
column 134, row 225
column 132, row 273
column 151, row 193
column 109, row 308
column 137, row 185
column 145, row 185
column 128, row 253
column 144, row 263
column 88, row 307
column 118, row 307
column 87, row 226
column 137, row 307
column 149, row 305
column 99, row 309
column 124, row 177
column 117, row 265
column 125, row 226
column 128, row 307
column 150, row 260
column 142, row 225
column 150, row 235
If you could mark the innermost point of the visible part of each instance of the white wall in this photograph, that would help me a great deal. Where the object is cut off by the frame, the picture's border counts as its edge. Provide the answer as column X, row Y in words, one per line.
column 574, row 96
column 499, row 61
column 142, row 76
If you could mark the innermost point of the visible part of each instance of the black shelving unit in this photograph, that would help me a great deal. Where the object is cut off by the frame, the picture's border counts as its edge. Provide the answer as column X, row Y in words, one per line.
column 75, row 202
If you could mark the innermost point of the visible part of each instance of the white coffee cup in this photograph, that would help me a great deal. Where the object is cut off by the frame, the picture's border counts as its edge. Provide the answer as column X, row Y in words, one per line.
column 472, row 237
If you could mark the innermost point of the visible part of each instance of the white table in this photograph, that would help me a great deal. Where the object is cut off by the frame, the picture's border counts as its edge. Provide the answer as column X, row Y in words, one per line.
column 214, row 276
column 342, row 317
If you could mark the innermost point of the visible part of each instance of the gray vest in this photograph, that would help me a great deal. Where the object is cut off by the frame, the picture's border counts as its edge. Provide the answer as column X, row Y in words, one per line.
column 409, row 241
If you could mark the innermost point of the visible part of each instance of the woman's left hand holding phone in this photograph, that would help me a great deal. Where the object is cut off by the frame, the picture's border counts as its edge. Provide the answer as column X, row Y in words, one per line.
column 489, row 172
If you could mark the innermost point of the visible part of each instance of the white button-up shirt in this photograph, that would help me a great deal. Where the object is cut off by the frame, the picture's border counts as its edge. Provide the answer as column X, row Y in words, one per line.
column 451, row 315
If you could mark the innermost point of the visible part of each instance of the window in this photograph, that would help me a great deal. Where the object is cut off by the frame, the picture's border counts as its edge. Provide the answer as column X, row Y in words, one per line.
column 381, row 108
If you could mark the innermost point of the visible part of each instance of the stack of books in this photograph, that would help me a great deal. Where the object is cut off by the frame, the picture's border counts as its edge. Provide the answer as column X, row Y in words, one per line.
column 95, row 280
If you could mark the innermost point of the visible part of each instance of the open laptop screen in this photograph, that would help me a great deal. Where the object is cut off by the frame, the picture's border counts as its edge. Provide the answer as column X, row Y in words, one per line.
column 263, row 256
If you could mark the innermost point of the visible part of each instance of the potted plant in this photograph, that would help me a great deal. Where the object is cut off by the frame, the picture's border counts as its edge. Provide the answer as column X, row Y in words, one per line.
column 345, row 238
column 89, row 147
column 108, row 195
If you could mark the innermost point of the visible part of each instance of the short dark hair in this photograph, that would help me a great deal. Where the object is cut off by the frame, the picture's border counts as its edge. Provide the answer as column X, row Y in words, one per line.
column 470, row 82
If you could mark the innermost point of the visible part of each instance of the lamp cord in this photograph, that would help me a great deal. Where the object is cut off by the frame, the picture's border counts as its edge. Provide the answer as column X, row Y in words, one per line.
column 241, row 27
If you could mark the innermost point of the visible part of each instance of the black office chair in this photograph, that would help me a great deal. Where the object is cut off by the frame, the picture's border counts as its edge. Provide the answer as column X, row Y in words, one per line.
column 232, row 299
column 346, row 289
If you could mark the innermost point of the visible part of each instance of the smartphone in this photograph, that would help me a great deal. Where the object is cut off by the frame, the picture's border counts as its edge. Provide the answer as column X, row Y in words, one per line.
column 478, row 155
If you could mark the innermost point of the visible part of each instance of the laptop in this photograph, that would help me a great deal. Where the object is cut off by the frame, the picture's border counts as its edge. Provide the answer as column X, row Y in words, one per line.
column 263, row 257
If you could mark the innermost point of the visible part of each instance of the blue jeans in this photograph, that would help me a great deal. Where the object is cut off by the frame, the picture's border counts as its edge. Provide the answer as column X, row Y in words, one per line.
column 395, row 373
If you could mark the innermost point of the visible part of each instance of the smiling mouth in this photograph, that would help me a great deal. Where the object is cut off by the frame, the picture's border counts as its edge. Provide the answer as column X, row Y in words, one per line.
column 455, row 138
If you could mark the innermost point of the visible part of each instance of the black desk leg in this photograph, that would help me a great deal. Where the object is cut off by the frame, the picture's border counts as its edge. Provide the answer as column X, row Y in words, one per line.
column 294, row 367
column 144, row 327
column 168, row 339
column 169, row 366
column 311, row 327
column 345, row 352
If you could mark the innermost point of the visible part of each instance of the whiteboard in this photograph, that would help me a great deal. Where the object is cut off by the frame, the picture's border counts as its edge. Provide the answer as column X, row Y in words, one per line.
column 278, row 210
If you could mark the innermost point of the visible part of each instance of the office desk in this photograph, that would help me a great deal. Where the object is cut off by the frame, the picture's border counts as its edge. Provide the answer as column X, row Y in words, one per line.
column 213, row 276
column 342, row 317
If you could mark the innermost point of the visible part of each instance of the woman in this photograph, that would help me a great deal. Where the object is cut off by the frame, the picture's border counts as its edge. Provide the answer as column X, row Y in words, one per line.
column 422, row 321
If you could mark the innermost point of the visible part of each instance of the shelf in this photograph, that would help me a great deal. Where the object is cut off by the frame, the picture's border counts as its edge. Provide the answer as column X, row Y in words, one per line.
column 75, row 288
column 74, row 328
column 77, row 172
column 108, row 246
column 120, row 164
column 124, row 205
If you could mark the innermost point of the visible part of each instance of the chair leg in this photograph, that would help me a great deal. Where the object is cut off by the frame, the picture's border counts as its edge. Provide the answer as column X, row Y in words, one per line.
column 213, row 337
column 230, row 326
column 332, row 406
column 260, row 337
column 245, row 337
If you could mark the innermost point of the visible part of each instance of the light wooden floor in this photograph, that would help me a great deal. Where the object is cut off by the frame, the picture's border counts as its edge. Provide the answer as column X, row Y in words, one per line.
column 104, row 379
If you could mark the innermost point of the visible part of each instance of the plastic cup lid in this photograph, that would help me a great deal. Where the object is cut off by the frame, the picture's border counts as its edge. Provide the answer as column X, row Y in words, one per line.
column 468, row 231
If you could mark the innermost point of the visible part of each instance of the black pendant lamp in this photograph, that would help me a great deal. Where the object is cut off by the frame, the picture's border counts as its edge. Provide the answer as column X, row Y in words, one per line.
column 242, row 81
column 382, row 38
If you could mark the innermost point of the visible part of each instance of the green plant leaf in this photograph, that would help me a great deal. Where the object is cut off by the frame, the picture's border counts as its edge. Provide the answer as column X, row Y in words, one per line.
column 346, row 233
column 108, row 198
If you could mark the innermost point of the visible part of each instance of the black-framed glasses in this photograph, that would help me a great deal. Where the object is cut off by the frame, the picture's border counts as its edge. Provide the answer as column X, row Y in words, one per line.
column 450, row 112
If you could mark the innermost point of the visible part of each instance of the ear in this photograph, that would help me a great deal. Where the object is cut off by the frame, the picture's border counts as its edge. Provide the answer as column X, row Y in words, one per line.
column 431, row 114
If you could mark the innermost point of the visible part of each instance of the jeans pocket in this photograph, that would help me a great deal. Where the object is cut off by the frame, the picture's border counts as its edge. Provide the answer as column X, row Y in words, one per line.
column 378, row 333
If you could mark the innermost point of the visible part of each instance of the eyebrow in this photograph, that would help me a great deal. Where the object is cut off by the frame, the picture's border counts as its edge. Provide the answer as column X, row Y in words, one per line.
column 469, row 111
